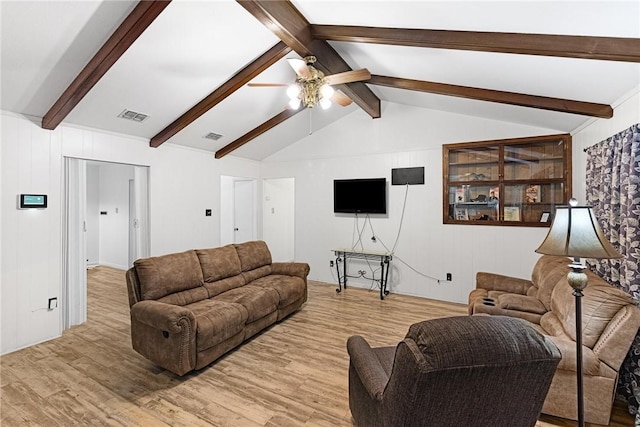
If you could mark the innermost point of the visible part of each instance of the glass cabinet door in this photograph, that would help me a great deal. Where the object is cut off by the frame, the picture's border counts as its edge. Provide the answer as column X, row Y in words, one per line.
column 532, row 202
column 474, row 202
column 507, row 182
column 474, row 175
column 539, row 161
column 479, row 164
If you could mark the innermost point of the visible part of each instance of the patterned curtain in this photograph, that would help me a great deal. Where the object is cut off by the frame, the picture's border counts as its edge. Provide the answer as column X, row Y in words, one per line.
column 613, row 190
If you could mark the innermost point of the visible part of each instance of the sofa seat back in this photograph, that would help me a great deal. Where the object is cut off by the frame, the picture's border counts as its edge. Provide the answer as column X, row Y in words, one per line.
column 546, row 274
column 600, row 304
column 221, row 269
column 255, row 259
column 172, row 279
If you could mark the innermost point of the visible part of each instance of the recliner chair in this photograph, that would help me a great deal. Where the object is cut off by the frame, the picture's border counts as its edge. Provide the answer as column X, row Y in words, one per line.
column 457, row 371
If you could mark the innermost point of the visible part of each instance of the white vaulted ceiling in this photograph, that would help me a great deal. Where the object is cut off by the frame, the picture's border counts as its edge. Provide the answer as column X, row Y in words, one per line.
column 193, row 47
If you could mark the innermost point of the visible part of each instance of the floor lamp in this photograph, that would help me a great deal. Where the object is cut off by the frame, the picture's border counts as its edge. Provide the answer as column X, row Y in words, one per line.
column 575, row 233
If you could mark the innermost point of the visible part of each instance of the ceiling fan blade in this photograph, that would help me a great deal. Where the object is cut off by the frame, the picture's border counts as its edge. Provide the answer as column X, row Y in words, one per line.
column 340, row 99
column 267, row 84
column 348, row 77
column 300, row 67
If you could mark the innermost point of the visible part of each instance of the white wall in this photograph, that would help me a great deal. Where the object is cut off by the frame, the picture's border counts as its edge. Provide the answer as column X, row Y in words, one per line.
column 358, row 147
column 31, row 242
column 183, row 183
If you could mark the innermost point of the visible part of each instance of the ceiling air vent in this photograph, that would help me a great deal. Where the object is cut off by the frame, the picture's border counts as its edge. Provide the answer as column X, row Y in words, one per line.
column 213, row 136
column 133, row 116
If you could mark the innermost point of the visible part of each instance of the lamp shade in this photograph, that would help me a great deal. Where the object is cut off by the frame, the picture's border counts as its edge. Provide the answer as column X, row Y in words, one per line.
column 575, row 233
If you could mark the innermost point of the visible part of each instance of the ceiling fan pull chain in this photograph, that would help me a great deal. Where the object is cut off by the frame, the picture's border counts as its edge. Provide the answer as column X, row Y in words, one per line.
column 310, row 121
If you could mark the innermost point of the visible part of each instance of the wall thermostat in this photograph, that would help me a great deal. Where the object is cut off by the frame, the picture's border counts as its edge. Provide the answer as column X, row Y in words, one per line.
column 33, row 201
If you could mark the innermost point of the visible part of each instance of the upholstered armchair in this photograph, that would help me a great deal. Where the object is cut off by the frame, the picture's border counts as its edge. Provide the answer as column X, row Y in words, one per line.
column 458, row 371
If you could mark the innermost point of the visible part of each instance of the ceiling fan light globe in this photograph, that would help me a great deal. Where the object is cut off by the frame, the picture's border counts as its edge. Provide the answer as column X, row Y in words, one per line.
column 325, row 103
column 294, row 103
column 293, row 91
column 326, row 91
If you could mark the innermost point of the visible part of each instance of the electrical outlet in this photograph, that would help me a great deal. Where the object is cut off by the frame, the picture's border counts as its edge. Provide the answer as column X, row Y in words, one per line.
column 331, row 263
column 448, row 277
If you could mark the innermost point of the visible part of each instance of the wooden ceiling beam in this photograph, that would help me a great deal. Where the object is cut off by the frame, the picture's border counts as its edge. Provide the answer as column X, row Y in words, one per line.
column 585, row 47
column 286, row 22
column 511, row 98
column 122, row 38
column 242, row 77
column 254, row 133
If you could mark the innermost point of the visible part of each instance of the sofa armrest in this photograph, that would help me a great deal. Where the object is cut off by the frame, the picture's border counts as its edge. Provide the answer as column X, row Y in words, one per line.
column 165, row 334
column 162, row 316
column 368, row 366
column 613, row 345
column 299, row 269
column 498, row 282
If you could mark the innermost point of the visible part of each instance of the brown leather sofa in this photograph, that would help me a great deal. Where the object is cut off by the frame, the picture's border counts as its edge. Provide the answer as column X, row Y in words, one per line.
column 610, row 320
column 456, row 371
column 189, row 308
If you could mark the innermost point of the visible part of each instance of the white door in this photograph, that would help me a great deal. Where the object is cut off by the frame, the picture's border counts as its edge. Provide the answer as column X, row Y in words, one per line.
column 139, row 215
column 278, row 218
column 93, row 214
column 74, row 300
column 243, row 211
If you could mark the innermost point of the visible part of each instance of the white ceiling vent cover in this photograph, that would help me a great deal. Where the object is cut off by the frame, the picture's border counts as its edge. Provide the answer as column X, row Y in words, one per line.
column 213, row 136
column 133, row 116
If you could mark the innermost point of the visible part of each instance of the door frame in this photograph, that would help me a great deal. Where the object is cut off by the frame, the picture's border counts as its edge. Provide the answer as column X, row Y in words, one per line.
column 74, row 265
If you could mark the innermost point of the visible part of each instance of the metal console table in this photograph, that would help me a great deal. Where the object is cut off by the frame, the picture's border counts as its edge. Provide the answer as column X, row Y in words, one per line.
column 344, row 254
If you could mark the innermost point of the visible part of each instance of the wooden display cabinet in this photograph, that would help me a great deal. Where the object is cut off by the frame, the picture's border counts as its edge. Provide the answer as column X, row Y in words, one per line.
column 506, row 182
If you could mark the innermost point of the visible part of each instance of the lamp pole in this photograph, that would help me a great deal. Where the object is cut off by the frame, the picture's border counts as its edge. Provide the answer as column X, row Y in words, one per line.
column 578, row 281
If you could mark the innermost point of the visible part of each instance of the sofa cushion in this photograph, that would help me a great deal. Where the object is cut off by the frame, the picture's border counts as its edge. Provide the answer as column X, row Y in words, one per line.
column 290, row 289
column 253, row 254
column 521, row 303
column 258, row 302
column 600, row 304
column 567, row 347
column 219, row 263
column 220, row 286
column 163, row 275
column 217, row 321
column 251, row 275
column 185, row 297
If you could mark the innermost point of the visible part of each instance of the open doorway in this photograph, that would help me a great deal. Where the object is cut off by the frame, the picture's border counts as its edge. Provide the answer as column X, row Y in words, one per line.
column 238, row 219
column 106, row 223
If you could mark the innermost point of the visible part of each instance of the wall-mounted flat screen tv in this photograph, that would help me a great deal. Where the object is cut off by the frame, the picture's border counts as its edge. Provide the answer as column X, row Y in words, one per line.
column 367, row 196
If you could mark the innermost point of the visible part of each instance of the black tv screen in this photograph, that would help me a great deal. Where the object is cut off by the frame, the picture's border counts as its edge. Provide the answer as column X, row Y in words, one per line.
column 360, row 196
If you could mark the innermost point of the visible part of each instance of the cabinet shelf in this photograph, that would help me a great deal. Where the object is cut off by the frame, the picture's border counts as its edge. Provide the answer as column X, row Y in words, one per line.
column 493, row 162
column 513, row 182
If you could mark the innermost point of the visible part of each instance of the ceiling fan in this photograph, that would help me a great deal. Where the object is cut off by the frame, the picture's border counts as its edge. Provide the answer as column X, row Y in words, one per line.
column 312, row 87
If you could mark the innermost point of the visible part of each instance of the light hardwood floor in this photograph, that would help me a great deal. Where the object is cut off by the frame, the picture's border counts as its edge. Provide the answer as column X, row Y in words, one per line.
column 292, row 374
